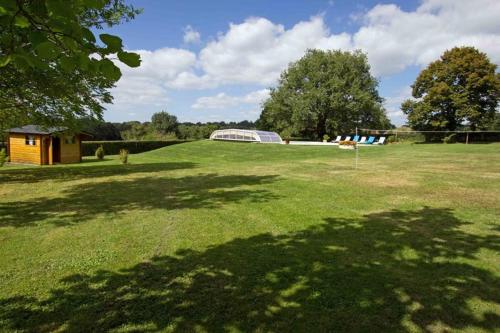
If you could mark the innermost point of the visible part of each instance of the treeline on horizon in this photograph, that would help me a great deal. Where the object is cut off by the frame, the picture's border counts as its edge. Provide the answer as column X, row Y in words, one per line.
column 136, row 130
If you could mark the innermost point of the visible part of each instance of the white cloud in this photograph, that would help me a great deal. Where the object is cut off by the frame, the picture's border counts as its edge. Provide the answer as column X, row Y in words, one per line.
column 257, row 50
column 223, row 101
column 164, row 64
column 395, row 39
column 191, row 36
column 393, row 105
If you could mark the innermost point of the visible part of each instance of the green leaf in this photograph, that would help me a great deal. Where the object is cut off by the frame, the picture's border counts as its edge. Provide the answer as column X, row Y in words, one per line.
column 4, row 60
column 88, row 35
column 68, row 64
column 113, row 43
column 60, row 8
column 3, row 11
column 83, row 61
column 109, row 70
column 37, row 37
column 8, row 5
column 129, row 58
column 21, row 22
column 46, row 50
column 96, row 4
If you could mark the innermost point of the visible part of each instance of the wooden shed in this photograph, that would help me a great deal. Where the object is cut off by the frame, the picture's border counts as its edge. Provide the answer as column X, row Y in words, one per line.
column 36, row 145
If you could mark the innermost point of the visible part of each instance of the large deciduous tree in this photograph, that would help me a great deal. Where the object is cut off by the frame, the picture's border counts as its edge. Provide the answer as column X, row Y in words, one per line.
column 325, row 92
column 164, row 123
column 53, row 70
column 462, row 87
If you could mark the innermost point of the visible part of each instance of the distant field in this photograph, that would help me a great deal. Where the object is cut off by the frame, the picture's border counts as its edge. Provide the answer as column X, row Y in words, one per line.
column 215, row 236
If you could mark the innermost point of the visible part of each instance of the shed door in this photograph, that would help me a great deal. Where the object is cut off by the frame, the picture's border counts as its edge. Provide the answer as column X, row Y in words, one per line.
column 56, row 150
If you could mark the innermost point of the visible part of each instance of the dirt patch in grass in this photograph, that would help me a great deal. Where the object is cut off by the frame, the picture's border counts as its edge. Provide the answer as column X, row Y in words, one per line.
column 389, row 180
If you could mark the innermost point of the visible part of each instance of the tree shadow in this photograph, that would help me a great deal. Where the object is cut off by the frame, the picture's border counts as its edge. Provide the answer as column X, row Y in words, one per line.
column 385, row 272
column 85, row 170
column 90, row 200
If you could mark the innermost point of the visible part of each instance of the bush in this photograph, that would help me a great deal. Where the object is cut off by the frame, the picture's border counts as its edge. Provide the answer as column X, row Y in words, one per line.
column 99, row 153
column 124, row 156
column 286, row 134
column 452, row 138
column 3, row 157
column 133, row 147
column 326, row 137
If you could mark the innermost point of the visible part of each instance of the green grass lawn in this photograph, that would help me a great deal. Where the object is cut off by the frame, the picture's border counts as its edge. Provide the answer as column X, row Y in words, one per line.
column 213, row 236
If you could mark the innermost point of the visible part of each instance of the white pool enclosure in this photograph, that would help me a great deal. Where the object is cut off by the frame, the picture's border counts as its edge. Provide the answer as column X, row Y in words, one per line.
column 246, row 136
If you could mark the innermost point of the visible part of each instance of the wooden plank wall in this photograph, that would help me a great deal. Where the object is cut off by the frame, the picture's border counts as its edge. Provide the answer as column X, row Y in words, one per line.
column 20, row 152
column 70, row 153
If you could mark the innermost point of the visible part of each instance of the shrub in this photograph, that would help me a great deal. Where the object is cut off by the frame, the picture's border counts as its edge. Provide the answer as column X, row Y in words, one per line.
column 347, row 143
column 286, row 134
column 99, row 153
column 326, row 137
column 133, row 147
column 452, row 138
column 3, row 157
column 124, row 156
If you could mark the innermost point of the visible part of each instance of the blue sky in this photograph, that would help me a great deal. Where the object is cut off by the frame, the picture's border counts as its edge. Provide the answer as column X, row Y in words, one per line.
column 215, row 60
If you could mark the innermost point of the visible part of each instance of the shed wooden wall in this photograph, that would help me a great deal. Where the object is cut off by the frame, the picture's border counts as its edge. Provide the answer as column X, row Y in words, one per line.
column 20, row 152
column 70, row 153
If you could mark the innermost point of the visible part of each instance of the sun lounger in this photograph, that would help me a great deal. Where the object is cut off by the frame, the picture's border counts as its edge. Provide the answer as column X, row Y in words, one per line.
column 347, row 138
column 363, row 139
column 338, row 139
column 380, row 141
column 356, row 138
column 371, row 139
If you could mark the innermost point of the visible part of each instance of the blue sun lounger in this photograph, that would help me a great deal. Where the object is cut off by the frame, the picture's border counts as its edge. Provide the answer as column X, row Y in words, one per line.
column 370, row 140
column 356, row 138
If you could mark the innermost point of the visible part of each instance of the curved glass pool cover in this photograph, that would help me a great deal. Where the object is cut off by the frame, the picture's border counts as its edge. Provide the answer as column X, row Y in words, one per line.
column 246, row 136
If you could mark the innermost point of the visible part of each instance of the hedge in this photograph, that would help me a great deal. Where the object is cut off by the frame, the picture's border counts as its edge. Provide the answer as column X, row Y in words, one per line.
column 134, row 147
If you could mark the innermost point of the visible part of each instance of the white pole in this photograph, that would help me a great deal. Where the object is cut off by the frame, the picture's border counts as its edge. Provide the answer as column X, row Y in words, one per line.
column 356, row 148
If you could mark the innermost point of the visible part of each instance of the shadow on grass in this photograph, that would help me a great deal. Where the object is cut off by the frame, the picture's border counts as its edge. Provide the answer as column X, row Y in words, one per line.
column 385, row 272
column 85, row 170
column 87, row 201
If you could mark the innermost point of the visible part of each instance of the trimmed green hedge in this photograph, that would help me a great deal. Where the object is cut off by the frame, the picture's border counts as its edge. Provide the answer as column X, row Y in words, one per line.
column 133, row 147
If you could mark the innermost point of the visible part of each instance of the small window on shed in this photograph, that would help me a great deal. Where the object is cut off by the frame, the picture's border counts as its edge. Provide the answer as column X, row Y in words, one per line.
column 69, row 140
column 30, row 140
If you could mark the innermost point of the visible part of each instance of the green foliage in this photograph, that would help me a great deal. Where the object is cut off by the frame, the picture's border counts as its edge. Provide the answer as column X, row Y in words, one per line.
column 203, row 130
column 164, row 123
column 326, row 137
column 325, row 92
column 3, row 156
column 195, row 131
column 100, row 130
column 99, row 152
column 124, row 156
column 52, row 68
column 462, row 86
column 452, row 138
column 286, row 134
column 495, row 124
column 133, row 147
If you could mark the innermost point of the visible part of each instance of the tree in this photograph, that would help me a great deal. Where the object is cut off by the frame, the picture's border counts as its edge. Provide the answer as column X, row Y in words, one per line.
column 495, row 124
column 163, row 122
column 100, row 130
column 52, row 68
column 460, row 87
column 325, row 92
